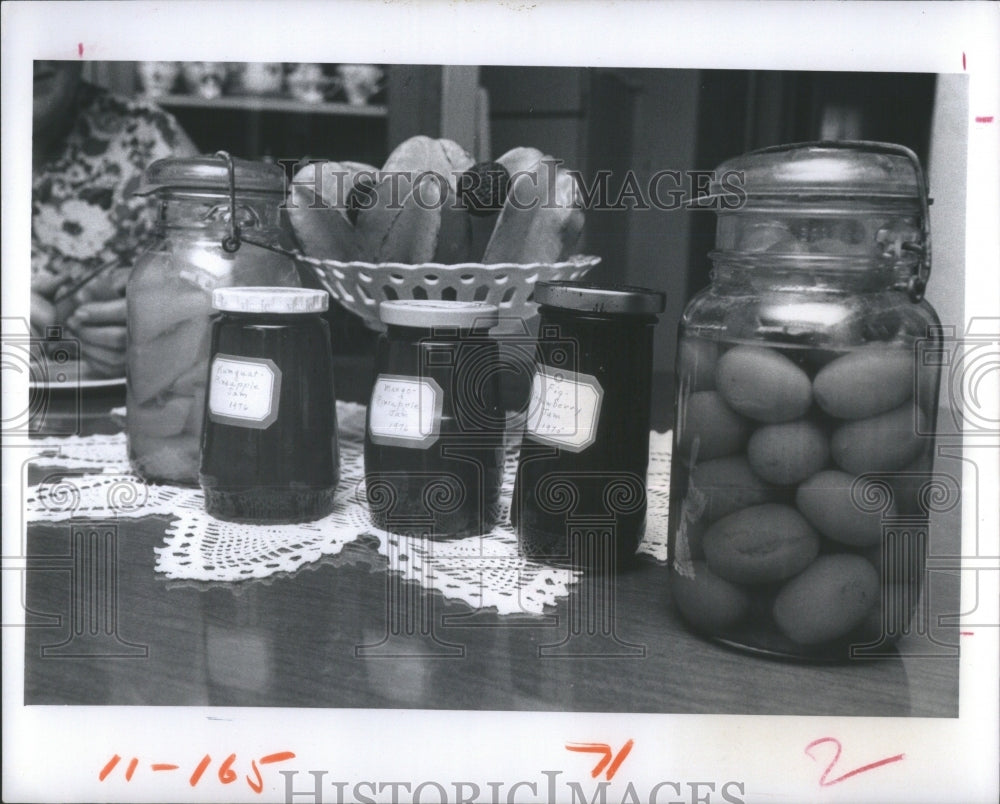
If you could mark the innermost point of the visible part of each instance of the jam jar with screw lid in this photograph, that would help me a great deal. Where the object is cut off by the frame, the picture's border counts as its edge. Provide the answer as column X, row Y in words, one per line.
column 434, row 438
column 209, row 209
column 804, row 410
column 580, row 487
column 269, row 449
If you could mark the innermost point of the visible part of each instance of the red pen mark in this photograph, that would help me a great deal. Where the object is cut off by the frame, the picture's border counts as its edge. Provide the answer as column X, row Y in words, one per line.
column 258, row 786
column 824, row 782
column 199, row 770
column 985, row 119
column 281, row 756
column 966, row 633
column 226, row 773
column 963, row 59
column 606, row 760
column 79, row 49
column 613, row 767
column 109, row 767
column 131, row 769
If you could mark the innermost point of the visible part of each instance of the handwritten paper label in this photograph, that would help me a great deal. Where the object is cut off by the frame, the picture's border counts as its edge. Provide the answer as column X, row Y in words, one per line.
column 244, row 391
column 564, row 408
column 405, row 411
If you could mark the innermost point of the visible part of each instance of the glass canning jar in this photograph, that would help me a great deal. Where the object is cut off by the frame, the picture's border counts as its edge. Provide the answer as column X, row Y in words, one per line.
column 169, row 297
column 269, row 451
column 580, row 491
column 804, row 414
column 434, row 437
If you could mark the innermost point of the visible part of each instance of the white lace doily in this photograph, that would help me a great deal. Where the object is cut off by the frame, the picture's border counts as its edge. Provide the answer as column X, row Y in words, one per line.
column 484, row 571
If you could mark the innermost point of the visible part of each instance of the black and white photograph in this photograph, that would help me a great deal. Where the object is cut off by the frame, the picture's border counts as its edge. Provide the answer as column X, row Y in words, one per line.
column 397, row 425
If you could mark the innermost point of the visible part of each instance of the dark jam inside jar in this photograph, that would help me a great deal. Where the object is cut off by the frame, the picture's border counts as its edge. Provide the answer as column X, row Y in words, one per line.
column 434, row 443
column 580, row 491
column 269, row 452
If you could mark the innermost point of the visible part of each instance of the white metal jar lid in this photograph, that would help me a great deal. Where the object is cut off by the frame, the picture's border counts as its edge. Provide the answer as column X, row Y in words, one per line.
column 439, row 313
column 270, row 300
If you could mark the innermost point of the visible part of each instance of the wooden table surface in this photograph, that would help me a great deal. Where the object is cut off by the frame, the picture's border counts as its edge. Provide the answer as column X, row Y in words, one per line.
column 344, row 632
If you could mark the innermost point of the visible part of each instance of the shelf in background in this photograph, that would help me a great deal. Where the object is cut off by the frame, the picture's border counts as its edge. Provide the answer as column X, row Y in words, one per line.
column 265, row 103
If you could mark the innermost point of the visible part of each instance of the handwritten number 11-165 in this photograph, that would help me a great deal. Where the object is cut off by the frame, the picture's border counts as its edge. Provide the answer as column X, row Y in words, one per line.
column 226, row 773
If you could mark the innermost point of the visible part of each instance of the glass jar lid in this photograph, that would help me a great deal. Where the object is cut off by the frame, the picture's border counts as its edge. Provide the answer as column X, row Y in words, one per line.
column 825, row 206
column 838, row 169
column 276, row 300
column 211, row 173
column 588, row 298
column 425, row 313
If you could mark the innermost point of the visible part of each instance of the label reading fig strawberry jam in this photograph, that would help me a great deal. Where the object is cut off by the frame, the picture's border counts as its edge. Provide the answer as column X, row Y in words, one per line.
column 564, row 408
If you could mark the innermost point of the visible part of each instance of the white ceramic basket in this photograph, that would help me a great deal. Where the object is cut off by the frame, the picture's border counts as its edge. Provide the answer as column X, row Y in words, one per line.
column 362, row 286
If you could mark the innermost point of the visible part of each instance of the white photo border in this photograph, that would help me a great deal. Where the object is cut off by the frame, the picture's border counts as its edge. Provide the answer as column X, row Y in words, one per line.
column 53, row 753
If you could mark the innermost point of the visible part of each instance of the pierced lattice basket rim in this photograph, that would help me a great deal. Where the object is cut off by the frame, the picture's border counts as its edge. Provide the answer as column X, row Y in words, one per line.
column 359, row 286
column 574, row 262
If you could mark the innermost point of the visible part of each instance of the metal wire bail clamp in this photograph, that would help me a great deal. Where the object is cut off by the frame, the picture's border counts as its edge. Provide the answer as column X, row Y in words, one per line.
column 231, row 243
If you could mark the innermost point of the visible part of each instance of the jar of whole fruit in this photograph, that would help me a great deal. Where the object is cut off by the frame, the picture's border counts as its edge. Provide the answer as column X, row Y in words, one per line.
column 804, row 418
column 205, row 205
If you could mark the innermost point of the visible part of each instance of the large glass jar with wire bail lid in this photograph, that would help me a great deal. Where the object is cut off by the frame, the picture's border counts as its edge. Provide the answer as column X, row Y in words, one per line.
column 804, row 412
column 218, row 216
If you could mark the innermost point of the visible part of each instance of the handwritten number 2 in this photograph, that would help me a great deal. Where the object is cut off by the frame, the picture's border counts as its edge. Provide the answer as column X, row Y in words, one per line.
column 826, row 782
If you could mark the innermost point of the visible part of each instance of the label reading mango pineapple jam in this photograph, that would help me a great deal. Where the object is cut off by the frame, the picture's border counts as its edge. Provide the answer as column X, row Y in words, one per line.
column 405, row 411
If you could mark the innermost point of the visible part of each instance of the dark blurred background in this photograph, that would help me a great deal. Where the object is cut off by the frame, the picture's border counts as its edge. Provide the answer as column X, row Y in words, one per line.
column 643, row 120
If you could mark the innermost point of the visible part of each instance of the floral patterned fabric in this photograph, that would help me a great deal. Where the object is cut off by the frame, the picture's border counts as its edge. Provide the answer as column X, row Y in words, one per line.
column 83, row 213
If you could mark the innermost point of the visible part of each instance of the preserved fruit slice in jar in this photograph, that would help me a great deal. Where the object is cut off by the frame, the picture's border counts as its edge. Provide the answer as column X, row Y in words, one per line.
column 176, row 361
column 170, row 457
column 177, row 303
column 168, row 419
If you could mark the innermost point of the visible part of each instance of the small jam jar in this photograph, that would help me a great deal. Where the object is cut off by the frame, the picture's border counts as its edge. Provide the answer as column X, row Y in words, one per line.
column 269, row 446
column 434, row 441
column 803, row 443
column 581, row 474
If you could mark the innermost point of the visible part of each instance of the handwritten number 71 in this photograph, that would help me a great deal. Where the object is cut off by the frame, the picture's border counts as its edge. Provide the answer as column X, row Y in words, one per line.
column 824, row 781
